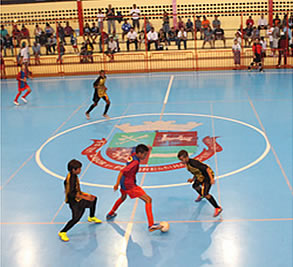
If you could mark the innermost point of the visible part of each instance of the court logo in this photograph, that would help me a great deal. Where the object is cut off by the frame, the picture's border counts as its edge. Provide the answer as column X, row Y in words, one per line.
column 164, row 140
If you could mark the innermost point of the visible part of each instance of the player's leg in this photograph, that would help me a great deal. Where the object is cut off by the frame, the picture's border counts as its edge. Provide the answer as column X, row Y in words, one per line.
column 118, row 202
column 205, row 192
column 96, row 99
column 17, row 96
column 23, row 98
column 106, row 99
column 196, row 186
column 92, row 206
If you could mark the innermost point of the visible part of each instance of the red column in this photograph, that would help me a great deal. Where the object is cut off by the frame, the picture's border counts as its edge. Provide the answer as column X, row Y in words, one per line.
column 174, row 6
column 271, row 3
column 80, row 16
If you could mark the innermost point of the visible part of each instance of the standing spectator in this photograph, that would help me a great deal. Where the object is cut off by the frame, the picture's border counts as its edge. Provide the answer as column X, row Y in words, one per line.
column 51, row 45
column 249, row 21
column 208, row 37
column 68, row 31
column 94, row 32
column 135, row 12
column 61, row 52
column 236, row 49
column 276, row 20
column 61, row 34
column 262, row 22
column 282, row 45
column 166, row 22
column 37, row 32
column 189, row 27
column 86, row 31
column 180, row 24
column 131, row 38
column 198, row 27
column 89, row 50
column 24, row 56
column 110, row 15
column 103, row 40
column 73, row 41
column 125, row 28
column 205, row 24
column 163, row 39
column 182, row 37
column 112, row 48
column 43, row 39
column 8, row 44
column 37, row 52
column 285, row 21
column 147, row 25
column 263, row 50
column 172, row 35
column 276, row 37
column 216, row 22
column 256, row 48
column 152, row 37
column 16, row 34
column 290, row 21
column 238, row 38
column 49, row 30
column 3, row 32
column 101, row 18
column 270, row 35
column 219, row 35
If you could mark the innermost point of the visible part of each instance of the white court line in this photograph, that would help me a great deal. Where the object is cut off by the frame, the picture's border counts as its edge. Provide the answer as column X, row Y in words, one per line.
column 167, row 96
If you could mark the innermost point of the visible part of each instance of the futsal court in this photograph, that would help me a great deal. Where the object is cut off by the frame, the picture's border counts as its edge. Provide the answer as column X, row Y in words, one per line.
column 249, row 113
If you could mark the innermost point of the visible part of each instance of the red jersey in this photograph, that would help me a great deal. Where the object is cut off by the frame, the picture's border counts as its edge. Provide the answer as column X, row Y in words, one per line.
column 128, row 180
column 257, row 48
column 21, row 75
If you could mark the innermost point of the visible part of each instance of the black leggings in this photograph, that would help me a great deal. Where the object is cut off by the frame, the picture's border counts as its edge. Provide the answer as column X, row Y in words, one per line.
column 203, row 190
column 96, row 99
column 78, row 209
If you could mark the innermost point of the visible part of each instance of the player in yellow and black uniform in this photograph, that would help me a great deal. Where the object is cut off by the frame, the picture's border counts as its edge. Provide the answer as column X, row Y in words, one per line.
column 78, row 201
column 100, row 92
column 203, row 178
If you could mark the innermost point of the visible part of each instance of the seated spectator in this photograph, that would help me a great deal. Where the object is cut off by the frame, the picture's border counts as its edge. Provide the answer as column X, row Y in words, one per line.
column 166, row 22
column 61, row 52
column 247, row 35
column 49, row 30
column 89, row 50
column 262, row 23
column 125, row 28
column 189, row 27
column 37, row 52
column 147, row 25
column 131, row 39
column 94, row 32
column 236, row 49
column 276, row 20
column 16, row 35
column 216, row 22
column 68, row 30
column 25, row 34
column 152, row 37
column 198, row 27
column 73, row 41
column 208, row 37
column 43, row 39
column 182, row 37
column 162, row 40
column 103, row 40
column 112, row 48
column 37, row 32
column 205, row 24
column 8, row 44
column 249, row 21
column 219, row 35
column 255, row 34
column 3, row 32
column 116, row 39
column 172, row 35
column 180, row 23
column 51, row 45
column 61, row 34
column 86, row 31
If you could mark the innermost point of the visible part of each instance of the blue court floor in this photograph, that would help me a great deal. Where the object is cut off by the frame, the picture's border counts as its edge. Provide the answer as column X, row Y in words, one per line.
column 239, row 123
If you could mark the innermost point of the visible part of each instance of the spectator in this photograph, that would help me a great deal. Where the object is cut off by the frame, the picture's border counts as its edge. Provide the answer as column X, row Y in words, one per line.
column 180, row 24
column 219, row 35
column 198, row 27
column 68, row 30
column 163, row 39
column 86, row 31
column 89, row 50
column 182, row 37
column 110, row 15
column 101, row 18
column 189, row 27
column 276, row 37
column 131, row 39
column 216, row 22
column 262, row 23
column 249, row 21
column 37, row 52
column 3, row 32
column 16, row 34
column 290, row 21
column 61, row 52
column 49, row 30
column 125, row 28
column 25, row 34
column 37, row 32
column 255, row 34
column 51, row 45
column 112, row 48
column 282, row 45
column 208, row 37
column 103, row 40
column 263, row 50
column 247, row 35
column 152, row 37
column 238, row 38
column 172, row 35
column 135, row 12
column 8, row 44
column 141, row 38
column 236, row 49
column 147, row 25
column 205, row 24
column 270, row 35
column 166, row 22
column 43, row 39
column 24, row 55
column 83, row 56
column 73, row 41
column 285, row 21
column 276, row 20
column 94, row 32
column 2, row 67
column 116, row 39
column 61, row 34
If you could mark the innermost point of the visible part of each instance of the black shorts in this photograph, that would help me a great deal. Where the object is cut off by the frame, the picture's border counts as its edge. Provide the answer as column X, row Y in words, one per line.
column 96, row 98
column 205, row 186
column 257, row 58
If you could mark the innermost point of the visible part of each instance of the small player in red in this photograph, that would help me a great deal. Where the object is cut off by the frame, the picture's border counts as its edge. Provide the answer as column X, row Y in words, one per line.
column 22, row 85
column 127, row 181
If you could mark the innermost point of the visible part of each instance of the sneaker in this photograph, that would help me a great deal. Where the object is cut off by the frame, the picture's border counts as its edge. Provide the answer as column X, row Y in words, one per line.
column 23, row 99
column 110, row 217
column 155, row 227
column 87, row 116
column 16, row 103
column 217, row 211
column 106, row 116
column 199, row 198
column 94, row 219
column 63, row 236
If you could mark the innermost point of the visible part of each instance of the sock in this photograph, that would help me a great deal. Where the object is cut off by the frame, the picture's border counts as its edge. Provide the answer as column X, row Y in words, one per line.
column 106, row 109
column 116, row 206
column 213, row 202
column 17, row 96
column 26, row 94
column 148, row 209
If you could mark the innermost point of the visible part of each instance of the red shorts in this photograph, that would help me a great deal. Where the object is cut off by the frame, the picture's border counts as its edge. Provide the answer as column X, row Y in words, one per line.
column 24, row 88
column 134, row 192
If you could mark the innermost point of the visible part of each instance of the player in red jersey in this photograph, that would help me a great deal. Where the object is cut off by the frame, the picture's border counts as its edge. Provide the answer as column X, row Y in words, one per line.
column 22, row 85
column 127, row 181
column 257, row 52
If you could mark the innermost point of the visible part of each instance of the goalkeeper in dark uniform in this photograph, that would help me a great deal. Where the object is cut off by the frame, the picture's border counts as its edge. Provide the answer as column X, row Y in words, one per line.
column 100, row 92
column 203, row 178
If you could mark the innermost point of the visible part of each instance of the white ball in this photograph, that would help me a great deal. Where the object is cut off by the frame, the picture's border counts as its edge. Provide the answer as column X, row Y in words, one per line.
column 165, row 227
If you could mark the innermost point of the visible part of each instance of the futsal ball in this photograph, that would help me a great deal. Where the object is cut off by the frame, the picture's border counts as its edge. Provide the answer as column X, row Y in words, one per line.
column 165, row 227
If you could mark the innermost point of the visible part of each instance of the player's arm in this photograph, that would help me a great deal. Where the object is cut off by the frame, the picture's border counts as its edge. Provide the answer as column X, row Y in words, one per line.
column 118, row 181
